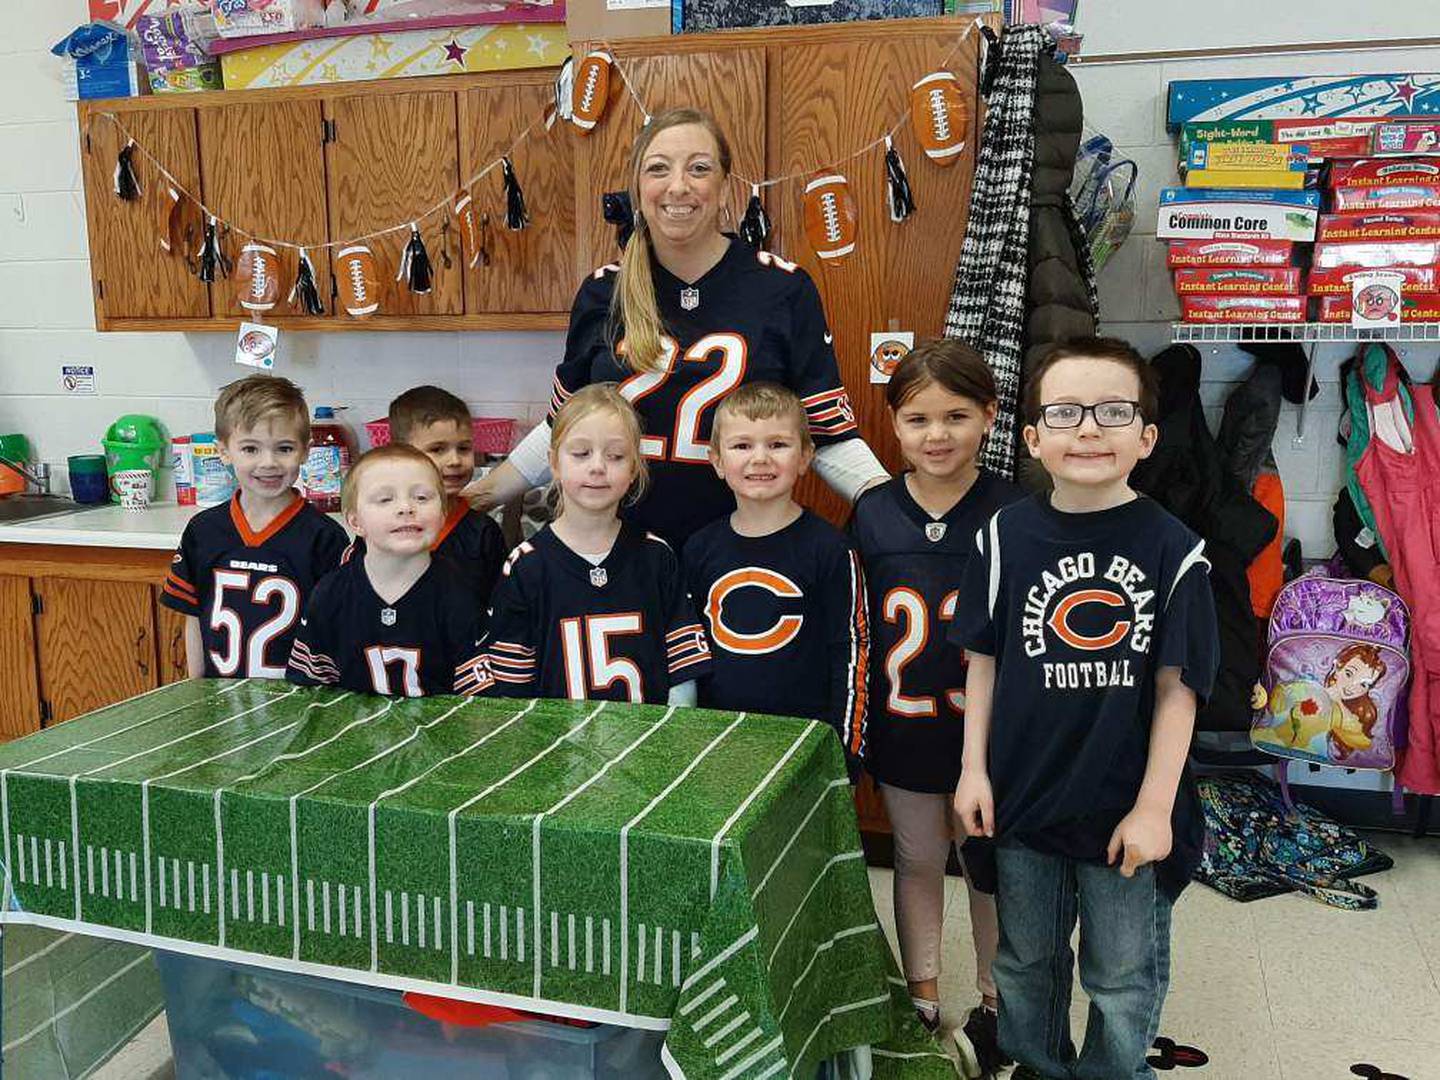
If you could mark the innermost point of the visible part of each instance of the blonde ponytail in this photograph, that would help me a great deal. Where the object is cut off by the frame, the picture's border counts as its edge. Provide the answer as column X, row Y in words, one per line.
column 633, row 307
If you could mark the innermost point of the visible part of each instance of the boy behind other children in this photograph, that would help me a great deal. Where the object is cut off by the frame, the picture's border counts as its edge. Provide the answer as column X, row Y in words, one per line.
column 245, row 568
column 390, row 620
column 781, row 590
column 1090, row 629
column 437, row 423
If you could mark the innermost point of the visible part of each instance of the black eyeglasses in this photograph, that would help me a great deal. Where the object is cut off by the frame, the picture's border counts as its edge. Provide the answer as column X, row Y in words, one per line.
column 1107, row 414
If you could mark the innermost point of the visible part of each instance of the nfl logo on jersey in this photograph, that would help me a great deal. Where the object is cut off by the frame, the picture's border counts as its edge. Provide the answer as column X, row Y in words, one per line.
column 387, row 616
column 689, row 299
column 599, row 577
column 935, row 531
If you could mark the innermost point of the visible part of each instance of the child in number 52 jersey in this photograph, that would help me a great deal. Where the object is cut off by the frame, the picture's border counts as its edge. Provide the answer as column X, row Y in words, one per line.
column 591, row 606
column 916, row 534
column 244, row 569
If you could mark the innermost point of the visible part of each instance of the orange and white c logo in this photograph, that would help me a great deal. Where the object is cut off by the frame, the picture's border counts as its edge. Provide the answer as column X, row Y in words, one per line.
column 1059, row 620
column 777, row 636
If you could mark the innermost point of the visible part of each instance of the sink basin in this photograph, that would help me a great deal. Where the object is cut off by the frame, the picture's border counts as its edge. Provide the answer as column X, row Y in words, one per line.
column 15, row 508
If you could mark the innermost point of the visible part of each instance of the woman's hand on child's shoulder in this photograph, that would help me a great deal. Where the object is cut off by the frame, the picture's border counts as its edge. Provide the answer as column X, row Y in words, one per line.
column 1142, row 837
column 975, row 803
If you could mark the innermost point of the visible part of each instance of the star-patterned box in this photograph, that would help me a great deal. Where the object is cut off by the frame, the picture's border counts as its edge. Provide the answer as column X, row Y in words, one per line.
column 396, row 55
column 1300, row 96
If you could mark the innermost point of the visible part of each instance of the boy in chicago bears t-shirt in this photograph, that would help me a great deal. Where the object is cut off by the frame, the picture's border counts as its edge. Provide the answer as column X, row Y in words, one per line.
column 245, row 569
column 781, row 590
column 1090, row 628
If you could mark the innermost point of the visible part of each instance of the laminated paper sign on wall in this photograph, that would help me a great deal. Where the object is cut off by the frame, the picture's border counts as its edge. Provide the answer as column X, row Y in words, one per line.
column 396, row 55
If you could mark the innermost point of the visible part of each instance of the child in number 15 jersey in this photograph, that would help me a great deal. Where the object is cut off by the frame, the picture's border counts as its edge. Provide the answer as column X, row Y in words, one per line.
column 590, row 606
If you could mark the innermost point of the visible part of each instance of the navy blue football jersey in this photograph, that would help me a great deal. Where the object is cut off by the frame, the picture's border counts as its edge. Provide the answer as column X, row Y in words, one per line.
column 351, row 638
column 474, row 546
column 787, row 623
column 563, row 627
column 752, row 316
column 1080, row 612
column 913, row 567
column 247, row 588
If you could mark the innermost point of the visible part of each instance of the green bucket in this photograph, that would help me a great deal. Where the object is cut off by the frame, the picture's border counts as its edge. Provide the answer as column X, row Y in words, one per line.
column 134, row 441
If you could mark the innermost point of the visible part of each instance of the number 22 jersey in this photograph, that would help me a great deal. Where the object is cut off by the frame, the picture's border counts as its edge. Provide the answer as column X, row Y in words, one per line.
column 913, row 566
column 751, row 316
column 248, row 588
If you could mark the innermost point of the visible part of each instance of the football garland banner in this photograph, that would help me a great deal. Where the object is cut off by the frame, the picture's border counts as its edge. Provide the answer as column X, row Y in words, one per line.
column 663, row 868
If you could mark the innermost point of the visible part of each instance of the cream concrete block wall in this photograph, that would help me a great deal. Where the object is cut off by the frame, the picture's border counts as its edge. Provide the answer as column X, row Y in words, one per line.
column 47, row 318
column 1126, row 101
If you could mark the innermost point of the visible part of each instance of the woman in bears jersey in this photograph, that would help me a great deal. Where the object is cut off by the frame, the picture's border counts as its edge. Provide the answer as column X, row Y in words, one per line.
column 688, row 314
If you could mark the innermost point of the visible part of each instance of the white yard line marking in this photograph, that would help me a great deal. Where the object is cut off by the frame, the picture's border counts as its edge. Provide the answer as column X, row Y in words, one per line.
column 97, row 770
column 75, row 854
column 625, row 848
column 250, row 896
column 824, row 946
column 640, row 951
column 404, row 918
column 310, row 904
column 719, row 958
column 420, row 917
column 389, row 920
column 143, row 958
column 487, row 931
column 133, row 895
column 702, row 997
column 605, row 955
column 851, row 1007
column 834, row 785
column 589, row 944
column 736, row 1047
column 470, row 927
column 717, row 1011
column 519, row 934
column 49, row 866
column 36, row 955
column 740, row 810
column 355, row 907
column 554, row 938
column 235, row 893
column 264, row 895
column 779, row 1067
column 64, row 872
column 571, row 939
column 370, row 815
column 675, row 958
column 204, row 883
column 435, row 937
column 658, row 952
column 119, row 871
column 325, row 906
column 104, row 872
column 834, row 860
column 455, row 813
column 90, row 869
column 505, row 933
column 725, row 1029
column 344, row 913
column 742, row 1067
column 279, row 899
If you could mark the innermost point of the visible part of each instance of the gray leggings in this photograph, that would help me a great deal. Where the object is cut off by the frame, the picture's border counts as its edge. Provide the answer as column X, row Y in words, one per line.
column 924, row 826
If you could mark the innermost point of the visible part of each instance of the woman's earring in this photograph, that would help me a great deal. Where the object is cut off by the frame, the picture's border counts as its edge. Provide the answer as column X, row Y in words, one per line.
column 729, row 218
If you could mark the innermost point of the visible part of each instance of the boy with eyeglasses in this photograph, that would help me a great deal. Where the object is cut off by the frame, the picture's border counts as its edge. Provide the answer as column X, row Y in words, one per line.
column 1090, row 629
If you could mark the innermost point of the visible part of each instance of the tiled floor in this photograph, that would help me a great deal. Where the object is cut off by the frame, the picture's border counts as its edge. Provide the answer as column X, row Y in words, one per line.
column 1279, row 989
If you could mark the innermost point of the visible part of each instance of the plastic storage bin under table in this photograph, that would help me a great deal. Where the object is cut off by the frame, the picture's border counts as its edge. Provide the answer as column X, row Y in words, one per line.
column 234, row 1021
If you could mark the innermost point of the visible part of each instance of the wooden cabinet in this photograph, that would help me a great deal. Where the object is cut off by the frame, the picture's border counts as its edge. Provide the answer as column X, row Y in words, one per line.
column 390, row 157
column 20, row 709
column 530, row 269
column 80, row 629
column 320, row 164
column 97, row 643
column 264, row 165
column 134, row 278
column 169, row 643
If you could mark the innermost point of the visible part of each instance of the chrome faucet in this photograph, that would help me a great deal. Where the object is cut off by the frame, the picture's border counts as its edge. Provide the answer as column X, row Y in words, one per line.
column 39, row 475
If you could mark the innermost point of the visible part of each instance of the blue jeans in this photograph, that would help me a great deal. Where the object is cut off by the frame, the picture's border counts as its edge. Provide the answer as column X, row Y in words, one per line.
column 1124, row 963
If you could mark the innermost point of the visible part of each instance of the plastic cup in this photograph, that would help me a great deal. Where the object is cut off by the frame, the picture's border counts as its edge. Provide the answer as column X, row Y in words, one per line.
column 134, row 488
column 88, row 483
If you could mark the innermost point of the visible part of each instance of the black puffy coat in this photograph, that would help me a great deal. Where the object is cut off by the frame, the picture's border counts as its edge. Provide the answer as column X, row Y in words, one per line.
column 1187, row 476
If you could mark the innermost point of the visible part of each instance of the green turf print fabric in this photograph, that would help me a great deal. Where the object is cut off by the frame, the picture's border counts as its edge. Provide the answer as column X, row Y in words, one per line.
column 631, row 864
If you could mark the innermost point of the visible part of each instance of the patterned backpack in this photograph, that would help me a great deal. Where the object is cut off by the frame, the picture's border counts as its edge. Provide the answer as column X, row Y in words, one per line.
column 1333, row 687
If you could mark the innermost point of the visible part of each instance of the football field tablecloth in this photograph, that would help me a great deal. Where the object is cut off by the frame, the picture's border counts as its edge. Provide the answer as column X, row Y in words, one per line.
column 652, row 867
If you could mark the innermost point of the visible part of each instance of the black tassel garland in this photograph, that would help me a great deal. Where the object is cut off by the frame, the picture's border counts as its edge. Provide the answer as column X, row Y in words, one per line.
column 415, row 264
column 995, row 47
column 615, row 208
column 755, row 225
column 305, row 290
column 127, row 184
column 516, row 216
column 902, row 200
column 209, row 253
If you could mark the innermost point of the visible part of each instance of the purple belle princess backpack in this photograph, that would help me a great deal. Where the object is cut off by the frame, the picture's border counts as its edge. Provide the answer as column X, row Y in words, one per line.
column 1333, row 687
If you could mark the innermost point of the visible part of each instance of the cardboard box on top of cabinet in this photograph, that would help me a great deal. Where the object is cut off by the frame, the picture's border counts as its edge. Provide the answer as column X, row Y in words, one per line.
column 396, row 55
column 602, row 20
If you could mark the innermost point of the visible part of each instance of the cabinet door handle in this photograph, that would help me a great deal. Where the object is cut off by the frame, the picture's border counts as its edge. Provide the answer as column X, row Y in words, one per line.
column 177, row 650
column 141, row 662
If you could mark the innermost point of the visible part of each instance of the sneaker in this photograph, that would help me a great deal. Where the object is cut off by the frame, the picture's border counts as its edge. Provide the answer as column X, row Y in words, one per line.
column 929, row 1020
column 979, row 1044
